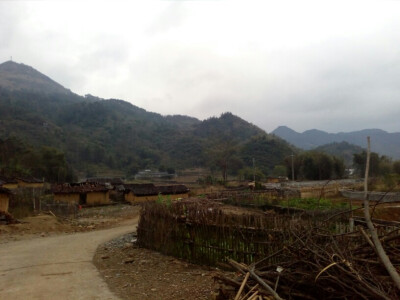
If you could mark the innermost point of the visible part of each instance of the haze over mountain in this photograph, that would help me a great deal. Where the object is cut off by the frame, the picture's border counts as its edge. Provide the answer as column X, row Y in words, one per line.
column 382, row 142
column 103, row 136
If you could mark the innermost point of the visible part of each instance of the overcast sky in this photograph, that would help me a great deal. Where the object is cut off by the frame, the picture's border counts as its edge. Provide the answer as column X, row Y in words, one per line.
column 330, row 65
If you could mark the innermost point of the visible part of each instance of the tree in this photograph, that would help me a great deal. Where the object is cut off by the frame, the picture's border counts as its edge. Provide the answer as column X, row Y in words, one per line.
column 279, row 170
column 378, row 165
column 313, row 165
column 225, row 159
column 338, row 167
column 249, row 174
column 396, row 167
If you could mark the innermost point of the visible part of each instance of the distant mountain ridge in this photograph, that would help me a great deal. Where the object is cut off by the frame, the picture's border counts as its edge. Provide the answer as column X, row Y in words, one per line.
column 382, row 142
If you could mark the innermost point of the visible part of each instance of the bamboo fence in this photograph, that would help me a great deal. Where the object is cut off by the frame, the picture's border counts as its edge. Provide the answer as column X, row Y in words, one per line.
column 202, row 232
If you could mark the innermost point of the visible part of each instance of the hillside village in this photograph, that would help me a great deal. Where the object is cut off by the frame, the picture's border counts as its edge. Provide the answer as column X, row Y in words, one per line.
column 242, row 213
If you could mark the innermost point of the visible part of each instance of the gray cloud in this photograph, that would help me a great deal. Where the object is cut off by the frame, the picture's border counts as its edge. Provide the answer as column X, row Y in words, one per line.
column 334, row 68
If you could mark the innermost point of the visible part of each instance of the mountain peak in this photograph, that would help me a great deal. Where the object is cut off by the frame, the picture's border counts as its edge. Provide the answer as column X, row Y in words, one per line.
column 284, row 130
column 20, row 77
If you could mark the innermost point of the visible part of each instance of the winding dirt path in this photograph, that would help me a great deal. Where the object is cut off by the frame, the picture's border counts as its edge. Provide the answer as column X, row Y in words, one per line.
column 57, row 267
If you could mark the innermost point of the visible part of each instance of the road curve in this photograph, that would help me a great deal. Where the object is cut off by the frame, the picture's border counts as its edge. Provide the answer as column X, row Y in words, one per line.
column 57, row 267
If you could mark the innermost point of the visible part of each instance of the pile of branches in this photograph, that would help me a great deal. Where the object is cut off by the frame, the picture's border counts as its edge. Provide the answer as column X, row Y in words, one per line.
column 318, row 265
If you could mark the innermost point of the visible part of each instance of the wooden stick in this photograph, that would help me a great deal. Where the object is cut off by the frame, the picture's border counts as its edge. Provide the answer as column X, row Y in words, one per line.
column 263, row 284
column 366, row 237
column 374, row 235
column 254, row 296
column 242, row 286
column 249, row 292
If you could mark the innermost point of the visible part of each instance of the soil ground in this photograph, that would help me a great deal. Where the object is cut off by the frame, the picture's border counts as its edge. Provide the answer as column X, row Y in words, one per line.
column 137, row 273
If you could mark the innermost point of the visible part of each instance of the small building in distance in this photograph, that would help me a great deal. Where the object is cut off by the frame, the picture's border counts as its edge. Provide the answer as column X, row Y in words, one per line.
column 82, row 193
column 20, row 182
column 149, row 174
column 136, row 193
column 8, row 183
column 25, row 182
column 278, row 179
column 4, row 199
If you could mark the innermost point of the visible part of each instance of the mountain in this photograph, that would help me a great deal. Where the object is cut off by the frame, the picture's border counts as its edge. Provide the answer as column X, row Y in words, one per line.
column 227, row 126
column 15, row 76
column 382, row 142
column 99, row 136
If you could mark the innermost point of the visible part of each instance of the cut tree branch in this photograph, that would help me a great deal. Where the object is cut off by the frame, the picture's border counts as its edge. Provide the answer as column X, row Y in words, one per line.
column 374, row 235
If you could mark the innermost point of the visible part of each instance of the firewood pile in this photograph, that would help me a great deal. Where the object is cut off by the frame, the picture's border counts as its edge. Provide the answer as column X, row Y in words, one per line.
column 317, row 265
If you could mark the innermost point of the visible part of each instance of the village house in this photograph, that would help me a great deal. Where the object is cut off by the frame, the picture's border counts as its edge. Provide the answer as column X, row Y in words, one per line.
column 29, row 182
column 82, row 193
column 20, row 182
column 4, row 198
column 8, row 183
column 136, row 193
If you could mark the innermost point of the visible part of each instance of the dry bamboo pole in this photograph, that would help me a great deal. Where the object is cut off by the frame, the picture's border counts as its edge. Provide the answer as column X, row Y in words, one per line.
column 254, row 296
column 242, row 286
column 374, row 236
column 249, row 292
column 264, row 285
column 242, row 268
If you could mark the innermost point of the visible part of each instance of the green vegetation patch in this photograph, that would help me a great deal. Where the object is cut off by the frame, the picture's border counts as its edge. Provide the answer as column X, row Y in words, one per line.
column 314, row 204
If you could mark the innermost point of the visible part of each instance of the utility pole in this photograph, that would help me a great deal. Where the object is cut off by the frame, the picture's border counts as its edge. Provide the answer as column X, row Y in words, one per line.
column 254, row 171
column 292, row 167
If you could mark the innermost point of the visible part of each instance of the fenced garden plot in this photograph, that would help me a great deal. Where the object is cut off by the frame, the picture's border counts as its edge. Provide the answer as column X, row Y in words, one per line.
column 59, row 209
column 282, row 200
column 204, row 232
column 250, row 198
column 25, row 201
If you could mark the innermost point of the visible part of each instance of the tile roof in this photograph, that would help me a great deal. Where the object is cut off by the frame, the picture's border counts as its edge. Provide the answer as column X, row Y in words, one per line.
column 4, row 190
column 113, row 181
column 149, row 189
column 73, row 188
column 4, row 179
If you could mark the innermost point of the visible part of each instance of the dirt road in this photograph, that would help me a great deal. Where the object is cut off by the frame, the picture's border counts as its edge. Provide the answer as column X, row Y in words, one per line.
column 56, row 267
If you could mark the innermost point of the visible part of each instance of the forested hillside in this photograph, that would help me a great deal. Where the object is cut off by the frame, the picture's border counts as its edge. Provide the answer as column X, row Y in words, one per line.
column 100, row 136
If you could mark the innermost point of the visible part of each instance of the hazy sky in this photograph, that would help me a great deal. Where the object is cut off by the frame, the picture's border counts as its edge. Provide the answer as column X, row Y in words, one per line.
column 331, row 65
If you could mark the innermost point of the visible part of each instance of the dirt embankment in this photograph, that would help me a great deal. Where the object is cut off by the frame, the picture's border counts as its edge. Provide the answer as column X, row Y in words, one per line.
column 88, row 219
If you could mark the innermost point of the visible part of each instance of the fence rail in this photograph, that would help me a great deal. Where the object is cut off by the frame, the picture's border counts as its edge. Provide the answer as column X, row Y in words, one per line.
column 372, row 196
